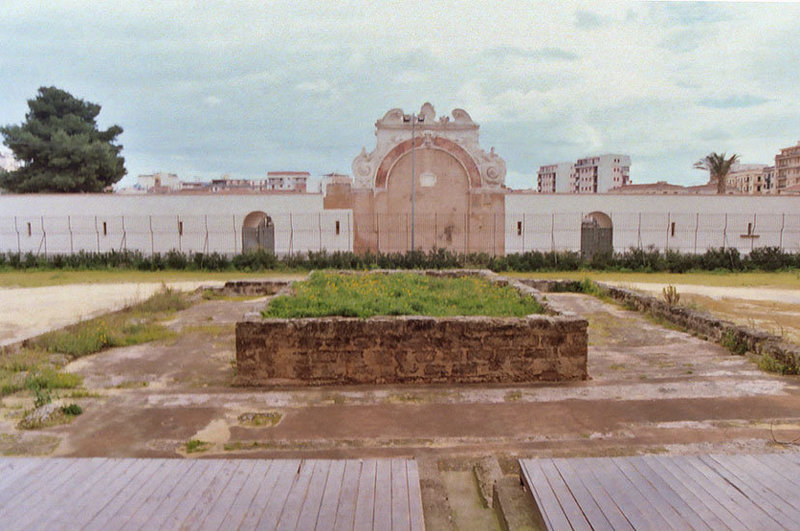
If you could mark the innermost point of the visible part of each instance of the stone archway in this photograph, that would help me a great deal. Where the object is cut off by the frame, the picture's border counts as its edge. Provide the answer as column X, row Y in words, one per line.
column 597, row 235
column 258, row 232
column 441, row 194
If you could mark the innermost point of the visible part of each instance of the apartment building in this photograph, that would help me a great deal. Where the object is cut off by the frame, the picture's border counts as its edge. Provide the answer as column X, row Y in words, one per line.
column 601, row 173
column 589, row 175
column 554, row 178
column 747, row 179
column 293, row 181
column 787, row 168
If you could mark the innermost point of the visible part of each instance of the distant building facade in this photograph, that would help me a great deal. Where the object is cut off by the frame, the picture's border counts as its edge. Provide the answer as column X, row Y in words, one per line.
column 158, row 182
column 589, row 175
column 787, row 168
column 747, row 179
column 555, row 178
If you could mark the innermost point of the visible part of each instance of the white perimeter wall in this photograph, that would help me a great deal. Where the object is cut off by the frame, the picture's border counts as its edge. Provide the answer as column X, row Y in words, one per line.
column 64, row 223
column 553, row 221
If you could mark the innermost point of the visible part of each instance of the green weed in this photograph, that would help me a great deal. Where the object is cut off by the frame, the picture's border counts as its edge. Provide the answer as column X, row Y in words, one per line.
column 366, row 295
column 196, row 445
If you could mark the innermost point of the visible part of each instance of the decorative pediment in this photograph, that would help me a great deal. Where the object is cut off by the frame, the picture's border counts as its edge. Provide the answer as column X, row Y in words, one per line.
column 457, row 133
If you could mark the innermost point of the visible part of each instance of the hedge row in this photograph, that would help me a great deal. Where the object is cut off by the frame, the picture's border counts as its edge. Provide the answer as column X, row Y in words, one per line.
column 644, row 260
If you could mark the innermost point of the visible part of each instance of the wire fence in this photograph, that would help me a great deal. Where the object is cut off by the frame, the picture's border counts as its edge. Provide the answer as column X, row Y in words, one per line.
column 494, row 234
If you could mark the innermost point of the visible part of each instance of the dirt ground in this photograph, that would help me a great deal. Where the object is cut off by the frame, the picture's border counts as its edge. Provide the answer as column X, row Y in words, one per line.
column 652, row 390
column 28, row 312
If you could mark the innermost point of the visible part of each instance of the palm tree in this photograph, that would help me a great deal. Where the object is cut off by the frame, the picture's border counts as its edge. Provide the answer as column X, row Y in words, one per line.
column 718, row 168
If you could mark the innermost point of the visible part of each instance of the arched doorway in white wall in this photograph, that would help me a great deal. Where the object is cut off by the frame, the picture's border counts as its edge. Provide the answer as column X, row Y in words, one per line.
column 597, row 235
column 258, row 232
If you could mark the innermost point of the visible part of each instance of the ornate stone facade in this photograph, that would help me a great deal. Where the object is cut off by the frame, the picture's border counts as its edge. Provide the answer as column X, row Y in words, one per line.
column 457, row 135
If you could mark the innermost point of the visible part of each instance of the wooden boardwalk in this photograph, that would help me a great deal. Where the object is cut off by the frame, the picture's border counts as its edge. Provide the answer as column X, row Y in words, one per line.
column 106, row 494
column 667, row 492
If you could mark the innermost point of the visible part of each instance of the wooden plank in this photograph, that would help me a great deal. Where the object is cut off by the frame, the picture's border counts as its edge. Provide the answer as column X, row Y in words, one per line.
column 789, row 473
column 197, row 485
column 79, row 501
column 750, row 485
column 348, row 497
column 565, row 498
column 309, row 512
column 103, row 493
column 536, row 481
column 400, row 504
column 713, row 513
column 365, row 501
column 212, row 494
column 288, row 514
column 49, row 488
column 259, row 478
column 744, row 510
column 788, row 464
column 14, row 469
column 31, row 483
column 382, row 510
column 276, row 483
column 330, row 498
column 127, row 482
column 676, row 495
column 228, row 497
column 581, row 492
column 625, row 496
column 417, row 517
column 660, row 500
column 280, row 493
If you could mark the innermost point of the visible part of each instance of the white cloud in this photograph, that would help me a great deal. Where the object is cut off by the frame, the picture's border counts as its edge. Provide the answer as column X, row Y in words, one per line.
column 300, row 86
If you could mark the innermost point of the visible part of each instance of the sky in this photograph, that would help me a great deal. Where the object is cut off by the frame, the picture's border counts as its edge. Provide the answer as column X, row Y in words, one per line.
column 203, row 89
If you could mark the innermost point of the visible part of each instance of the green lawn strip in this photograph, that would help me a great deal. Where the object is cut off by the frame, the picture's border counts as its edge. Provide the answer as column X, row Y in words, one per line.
column 369, row 294
column 777, row 280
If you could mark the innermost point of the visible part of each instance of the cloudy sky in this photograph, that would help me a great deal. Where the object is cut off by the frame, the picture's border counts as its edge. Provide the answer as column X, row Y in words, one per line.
column 250, row 87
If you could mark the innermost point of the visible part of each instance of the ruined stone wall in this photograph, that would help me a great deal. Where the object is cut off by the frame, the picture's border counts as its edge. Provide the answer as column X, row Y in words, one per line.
column 411, row 349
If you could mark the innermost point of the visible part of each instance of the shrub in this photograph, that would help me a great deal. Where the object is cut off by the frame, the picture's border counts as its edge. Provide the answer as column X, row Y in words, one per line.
column 72, row 409
column 671, row 295
column 733, row 343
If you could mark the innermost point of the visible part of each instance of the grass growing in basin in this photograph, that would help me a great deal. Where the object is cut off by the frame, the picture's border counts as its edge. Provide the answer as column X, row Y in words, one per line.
column 369, row 294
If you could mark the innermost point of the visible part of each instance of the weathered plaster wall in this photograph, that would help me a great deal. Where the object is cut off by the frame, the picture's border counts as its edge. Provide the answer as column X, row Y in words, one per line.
column 64, row 223
column 547, row 222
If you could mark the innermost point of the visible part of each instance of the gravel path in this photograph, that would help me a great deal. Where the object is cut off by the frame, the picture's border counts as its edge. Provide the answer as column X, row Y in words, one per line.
column 28, row 312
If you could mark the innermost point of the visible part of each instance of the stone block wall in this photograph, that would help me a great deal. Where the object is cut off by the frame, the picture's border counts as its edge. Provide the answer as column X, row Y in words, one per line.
column 411, row 349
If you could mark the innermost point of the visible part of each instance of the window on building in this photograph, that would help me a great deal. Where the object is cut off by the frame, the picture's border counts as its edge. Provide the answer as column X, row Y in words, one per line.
column 672, row 229
column 105, row 229
column 749, row 229
column 30, row 230
column 337, row 227
column 519, row 228
column 180, row 228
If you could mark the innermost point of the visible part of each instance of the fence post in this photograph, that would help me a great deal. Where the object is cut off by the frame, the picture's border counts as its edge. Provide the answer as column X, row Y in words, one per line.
column 639, row 232
column 754, row 231
column 152, row 237
column 180, row 233
column 553, row 232
column 205, row 241
column 235, row 236
column 44, row 237
column 783, row 222
column 123, row 245
column 97, row 234
column 725, row 232
column 696, row 228
column 349, row 233
column 466, row 232
column 669, row 221
column 16, row 229
column 291, row 234
column 69, row 227
column 494, row 234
